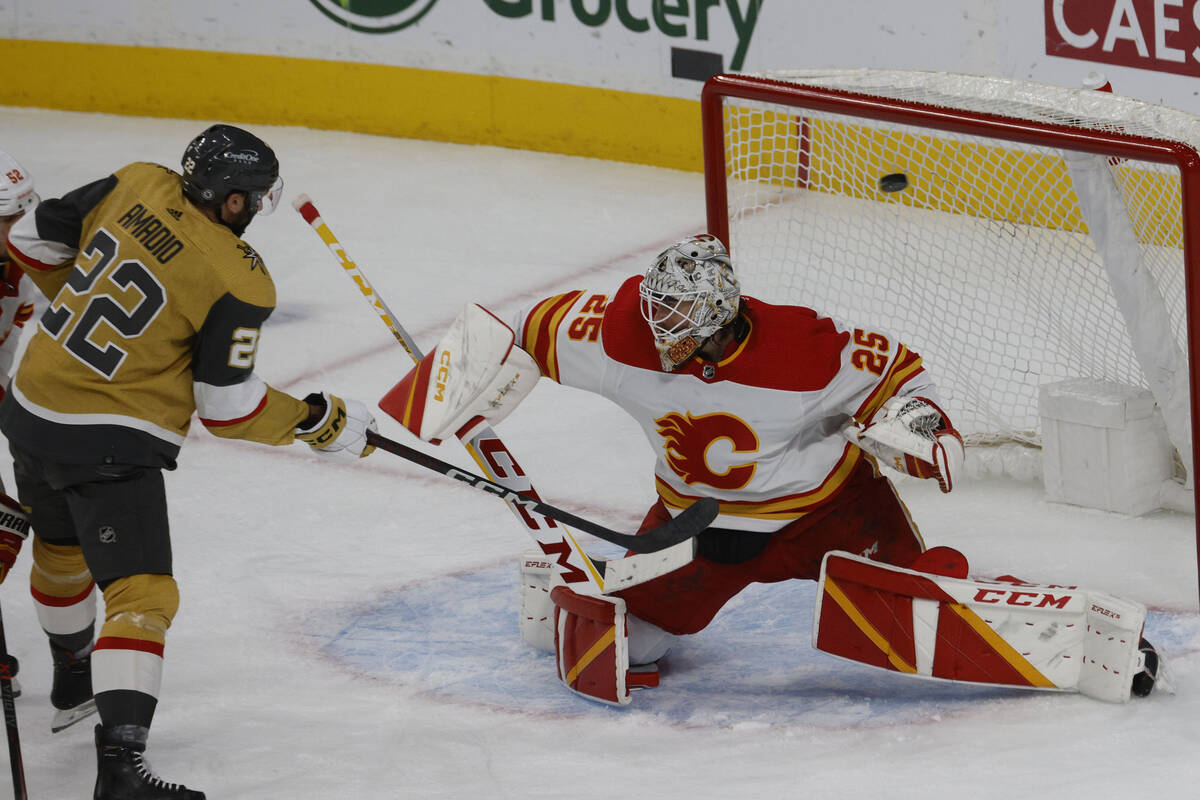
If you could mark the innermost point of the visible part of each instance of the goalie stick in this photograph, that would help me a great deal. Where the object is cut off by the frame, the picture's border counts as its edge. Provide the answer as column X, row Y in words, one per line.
column 695, row 518
column 495, row 460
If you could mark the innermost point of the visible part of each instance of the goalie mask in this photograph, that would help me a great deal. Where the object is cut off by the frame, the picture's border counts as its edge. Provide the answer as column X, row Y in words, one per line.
column 688, row 294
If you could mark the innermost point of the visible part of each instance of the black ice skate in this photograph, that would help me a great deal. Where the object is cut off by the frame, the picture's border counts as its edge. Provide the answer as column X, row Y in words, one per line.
column 71, row 692
column 122, row 772
column 1143, row 682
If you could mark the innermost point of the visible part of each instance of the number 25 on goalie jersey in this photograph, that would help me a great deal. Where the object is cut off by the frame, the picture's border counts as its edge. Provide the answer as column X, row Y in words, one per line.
column 757, row 430
column 155, row 313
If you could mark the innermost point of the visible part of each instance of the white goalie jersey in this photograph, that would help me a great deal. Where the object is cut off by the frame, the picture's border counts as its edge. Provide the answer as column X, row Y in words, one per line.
column 759, row 430
column 16, row 308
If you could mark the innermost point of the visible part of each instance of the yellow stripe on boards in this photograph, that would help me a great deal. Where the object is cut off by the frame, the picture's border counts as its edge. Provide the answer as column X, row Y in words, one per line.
column 367, row 98
column 979, row 179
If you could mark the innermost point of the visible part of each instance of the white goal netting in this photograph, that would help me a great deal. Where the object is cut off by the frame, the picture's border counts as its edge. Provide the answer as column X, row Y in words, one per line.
column 1006, row 261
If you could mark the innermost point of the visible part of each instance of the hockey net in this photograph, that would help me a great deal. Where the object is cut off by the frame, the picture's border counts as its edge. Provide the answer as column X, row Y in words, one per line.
column 1039, row 233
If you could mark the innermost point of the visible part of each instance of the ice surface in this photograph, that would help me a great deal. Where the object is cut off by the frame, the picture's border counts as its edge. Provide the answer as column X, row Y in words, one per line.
column 350, row 631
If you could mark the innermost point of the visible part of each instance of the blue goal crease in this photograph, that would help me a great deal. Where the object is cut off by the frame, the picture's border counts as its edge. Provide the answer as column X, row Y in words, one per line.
column 754, row 664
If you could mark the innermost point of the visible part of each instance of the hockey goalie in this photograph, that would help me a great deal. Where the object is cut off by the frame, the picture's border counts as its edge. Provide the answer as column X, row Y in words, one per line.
column 784, row 417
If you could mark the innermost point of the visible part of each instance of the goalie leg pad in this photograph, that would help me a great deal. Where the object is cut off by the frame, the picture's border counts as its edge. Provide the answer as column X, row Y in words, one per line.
column 590, row 645
column 536, row 615
column 1111, row 657
column 991, row 632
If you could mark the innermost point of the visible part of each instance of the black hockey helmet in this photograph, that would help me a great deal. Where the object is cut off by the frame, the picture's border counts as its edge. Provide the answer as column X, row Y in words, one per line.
column 226, row 159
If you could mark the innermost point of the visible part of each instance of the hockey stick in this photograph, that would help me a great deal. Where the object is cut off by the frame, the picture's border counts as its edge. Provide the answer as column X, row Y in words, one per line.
column 10, row 720
column 694, row 518
column 499, row 464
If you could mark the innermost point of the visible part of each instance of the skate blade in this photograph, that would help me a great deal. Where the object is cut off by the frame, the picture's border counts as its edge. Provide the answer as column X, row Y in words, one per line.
column 65, row 718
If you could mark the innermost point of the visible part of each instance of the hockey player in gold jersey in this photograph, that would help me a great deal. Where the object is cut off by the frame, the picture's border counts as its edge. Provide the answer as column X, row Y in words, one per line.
column 156, row 308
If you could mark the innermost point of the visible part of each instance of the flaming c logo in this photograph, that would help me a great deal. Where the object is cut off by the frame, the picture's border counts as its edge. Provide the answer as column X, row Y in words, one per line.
column 687, row 440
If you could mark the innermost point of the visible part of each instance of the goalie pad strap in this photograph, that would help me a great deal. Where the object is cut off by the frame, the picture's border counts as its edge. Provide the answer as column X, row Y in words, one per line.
column 590, row 645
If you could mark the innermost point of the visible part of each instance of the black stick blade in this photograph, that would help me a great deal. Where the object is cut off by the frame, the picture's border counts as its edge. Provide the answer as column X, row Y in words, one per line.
column 690, row 522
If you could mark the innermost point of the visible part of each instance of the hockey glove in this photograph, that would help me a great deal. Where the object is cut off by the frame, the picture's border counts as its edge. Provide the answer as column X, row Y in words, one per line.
column 340, row 430
column 913, row 435
column 14, row 529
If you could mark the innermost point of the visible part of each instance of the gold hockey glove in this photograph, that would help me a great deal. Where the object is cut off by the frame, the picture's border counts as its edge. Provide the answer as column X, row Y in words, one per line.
column 340, row 428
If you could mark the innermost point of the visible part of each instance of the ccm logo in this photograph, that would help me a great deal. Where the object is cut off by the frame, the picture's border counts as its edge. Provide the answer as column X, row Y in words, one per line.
column 1012, row 598
column 443, row 375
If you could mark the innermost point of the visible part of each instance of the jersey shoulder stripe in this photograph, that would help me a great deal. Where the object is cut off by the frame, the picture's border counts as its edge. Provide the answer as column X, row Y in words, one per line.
column 904, row 367
column 540, row 333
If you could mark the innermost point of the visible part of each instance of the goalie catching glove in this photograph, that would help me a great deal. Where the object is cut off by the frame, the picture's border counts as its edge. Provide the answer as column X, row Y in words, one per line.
column 474, row 377
column 337, row 427
column 912, row 435
column 14, row 530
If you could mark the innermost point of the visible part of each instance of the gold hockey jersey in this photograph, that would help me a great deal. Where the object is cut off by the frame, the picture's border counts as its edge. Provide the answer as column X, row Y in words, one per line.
column 155, row 313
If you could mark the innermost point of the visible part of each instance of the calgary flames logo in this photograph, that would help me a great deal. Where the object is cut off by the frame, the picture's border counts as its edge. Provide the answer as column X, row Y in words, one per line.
column 687, row 440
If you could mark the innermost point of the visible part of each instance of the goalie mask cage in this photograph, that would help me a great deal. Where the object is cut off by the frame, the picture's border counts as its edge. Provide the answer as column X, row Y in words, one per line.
column 1025, row 234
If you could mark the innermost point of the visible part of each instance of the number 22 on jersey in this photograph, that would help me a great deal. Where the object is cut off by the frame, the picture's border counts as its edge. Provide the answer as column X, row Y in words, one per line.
column 89, row 333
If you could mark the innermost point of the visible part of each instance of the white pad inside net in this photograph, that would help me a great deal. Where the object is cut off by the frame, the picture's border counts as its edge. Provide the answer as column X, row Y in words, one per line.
column 983, row 262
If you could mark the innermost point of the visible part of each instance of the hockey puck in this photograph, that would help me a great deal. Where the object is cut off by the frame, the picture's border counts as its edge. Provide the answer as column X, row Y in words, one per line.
column 895, row 182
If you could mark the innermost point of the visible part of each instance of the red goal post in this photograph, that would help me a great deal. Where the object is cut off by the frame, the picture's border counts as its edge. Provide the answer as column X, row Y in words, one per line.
column 1025, row 233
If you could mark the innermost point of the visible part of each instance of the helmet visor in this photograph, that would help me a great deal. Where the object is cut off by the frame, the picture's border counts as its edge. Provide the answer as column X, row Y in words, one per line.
column 265, row 202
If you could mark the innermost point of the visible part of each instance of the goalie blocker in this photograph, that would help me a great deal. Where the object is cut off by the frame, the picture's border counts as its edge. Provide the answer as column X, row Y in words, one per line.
column 1003, row 633
column 475, row 376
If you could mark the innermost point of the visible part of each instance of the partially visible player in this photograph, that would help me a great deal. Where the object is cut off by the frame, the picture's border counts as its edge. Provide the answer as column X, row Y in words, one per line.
column 17, row 196
column 156, row 309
